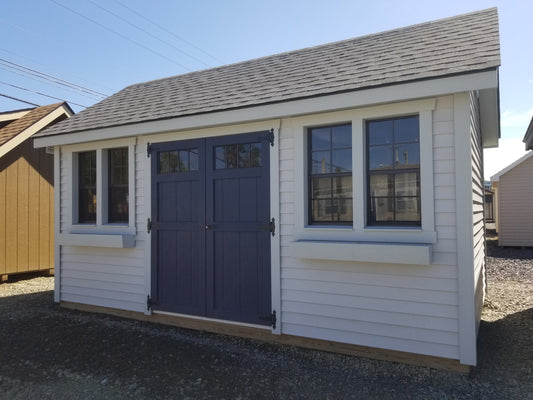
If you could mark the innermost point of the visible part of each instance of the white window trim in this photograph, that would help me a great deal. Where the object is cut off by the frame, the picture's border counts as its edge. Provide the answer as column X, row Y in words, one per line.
column 359, row 232
column 103, row 234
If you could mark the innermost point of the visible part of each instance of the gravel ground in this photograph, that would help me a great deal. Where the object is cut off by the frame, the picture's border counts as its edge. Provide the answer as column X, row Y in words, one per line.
column 51, row 353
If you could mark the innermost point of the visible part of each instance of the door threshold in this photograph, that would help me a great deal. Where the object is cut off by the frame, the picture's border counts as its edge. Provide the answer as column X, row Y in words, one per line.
column 214, row 320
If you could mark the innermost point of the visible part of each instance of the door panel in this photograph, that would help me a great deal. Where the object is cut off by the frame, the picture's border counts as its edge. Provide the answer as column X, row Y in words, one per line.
column 238, row 210
column 211, row 244
column 178, row 237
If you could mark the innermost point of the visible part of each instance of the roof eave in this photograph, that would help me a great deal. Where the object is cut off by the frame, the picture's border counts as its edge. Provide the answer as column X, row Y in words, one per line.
column 480, row 80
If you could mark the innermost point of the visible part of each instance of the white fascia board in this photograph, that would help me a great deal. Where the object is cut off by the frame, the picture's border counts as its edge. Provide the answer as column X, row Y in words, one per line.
column 326, row 103
column 12, row 116
column 33, row 129
column 496, row 176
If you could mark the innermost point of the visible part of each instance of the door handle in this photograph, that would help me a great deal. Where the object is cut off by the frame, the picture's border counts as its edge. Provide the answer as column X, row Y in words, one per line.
column 208, row 227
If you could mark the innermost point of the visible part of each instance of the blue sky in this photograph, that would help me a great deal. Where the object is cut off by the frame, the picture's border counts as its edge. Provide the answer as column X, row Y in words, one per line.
column 105, row 45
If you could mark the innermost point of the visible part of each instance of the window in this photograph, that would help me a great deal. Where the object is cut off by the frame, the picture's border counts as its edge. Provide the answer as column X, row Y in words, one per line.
column 118, row 185
column 178, row 161
column 330, row 175
column 244, row 155
column 87, row 187
column 393, row 171
column 102, row 190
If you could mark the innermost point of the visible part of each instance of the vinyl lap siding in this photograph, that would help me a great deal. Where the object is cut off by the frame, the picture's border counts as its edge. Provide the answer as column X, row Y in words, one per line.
column 477, row 207
column 397, row 307
column 104, row 277
column 515, row 191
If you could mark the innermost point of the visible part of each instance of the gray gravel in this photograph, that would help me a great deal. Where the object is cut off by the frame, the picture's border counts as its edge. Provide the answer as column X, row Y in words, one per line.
column 51, row 353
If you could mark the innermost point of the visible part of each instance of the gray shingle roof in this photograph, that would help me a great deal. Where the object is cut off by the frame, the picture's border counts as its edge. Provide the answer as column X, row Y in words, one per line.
column 462, row 44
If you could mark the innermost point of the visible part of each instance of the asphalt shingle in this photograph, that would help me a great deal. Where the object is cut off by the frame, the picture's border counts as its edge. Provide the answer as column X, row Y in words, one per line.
column 16, row 127
column 458, row 45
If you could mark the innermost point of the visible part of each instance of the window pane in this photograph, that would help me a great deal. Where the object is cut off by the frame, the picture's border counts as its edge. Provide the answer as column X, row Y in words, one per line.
column 244, row 155
column 163, row 163
column 118, row 183
column 321, row 162
column 342, row 210
column 183, row 163
column 407, row 155
column 380, row 158
column 232, row 156
column 407, row 209
column 330, row 178
column 321, row 188
column 407, row 184
column 118, row 204
column 379, row 132
column 406, row 130
column 381, row 185
column 220, row 157
column 342, row 160
column 341, row 136
column 173, row 161
column 342, row 186
column 322, row 210
column 320, row 139
column 87, row 187
column 87, row 205
column 381, row 209
column 193, row 160
column 255, row 155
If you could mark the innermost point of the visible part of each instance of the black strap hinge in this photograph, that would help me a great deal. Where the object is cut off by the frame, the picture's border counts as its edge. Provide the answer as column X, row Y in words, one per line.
column 270, row 318
column 148, row 303
column 151, row 225
column 271, row 137
column 148, row 149
column 271, row 226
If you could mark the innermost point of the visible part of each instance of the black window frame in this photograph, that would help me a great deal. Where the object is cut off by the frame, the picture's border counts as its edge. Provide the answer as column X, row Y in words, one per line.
column 310, row 176
column 116, row 187
column 87, row 159
column 391, row 172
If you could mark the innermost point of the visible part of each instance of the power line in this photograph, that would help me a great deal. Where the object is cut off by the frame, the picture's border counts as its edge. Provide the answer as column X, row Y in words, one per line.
column 170, row 32
column 22, row 101
column 147, row 32
column 51, row 78
column 39, row 93
column 121, row 35
column 31, row 60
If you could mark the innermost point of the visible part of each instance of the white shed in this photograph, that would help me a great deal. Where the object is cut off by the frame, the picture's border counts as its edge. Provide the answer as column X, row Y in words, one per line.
column 513, row 194
column 330, row 197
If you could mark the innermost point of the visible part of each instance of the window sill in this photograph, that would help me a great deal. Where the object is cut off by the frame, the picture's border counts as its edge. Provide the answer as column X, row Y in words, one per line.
column 97, row 240
column 374, row 252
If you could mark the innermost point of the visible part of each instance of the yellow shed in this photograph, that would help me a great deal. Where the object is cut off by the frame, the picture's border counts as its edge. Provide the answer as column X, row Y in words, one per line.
column 27, row 191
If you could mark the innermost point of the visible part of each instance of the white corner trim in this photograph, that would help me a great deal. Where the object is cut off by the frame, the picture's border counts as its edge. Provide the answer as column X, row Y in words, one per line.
column 96, row 240
column 57, row 224
column 275, row 244
column 465, row 229
column 374, row 252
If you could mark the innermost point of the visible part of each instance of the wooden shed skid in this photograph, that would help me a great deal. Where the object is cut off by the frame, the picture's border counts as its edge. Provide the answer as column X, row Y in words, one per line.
column 265, row 335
